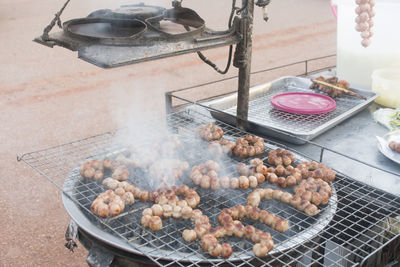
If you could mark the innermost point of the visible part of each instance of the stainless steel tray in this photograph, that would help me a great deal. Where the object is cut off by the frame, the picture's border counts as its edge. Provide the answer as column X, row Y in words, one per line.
column 294, row 128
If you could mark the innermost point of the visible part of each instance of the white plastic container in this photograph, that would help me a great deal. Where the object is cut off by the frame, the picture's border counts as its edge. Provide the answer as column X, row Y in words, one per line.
column 386, row 82
column 356, row 63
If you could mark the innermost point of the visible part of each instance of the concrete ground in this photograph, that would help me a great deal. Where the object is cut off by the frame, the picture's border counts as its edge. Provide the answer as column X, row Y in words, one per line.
column 49, row 97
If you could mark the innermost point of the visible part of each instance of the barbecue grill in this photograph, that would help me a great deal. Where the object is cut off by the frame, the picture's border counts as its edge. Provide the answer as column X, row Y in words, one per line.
column 168, row 243
column 357, row 225
column 354, row 218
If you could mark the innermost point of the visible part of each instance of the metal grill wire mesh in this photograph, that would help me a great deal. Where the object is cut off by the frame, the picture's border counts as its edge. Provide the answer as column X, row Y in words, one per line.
column 262, row 112
column 358, row 225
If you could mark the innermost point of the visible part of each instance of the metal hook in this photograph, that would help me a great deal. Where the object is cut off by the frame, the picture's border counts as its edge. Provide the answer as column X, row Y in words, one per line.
column 177, row 3
column 263, row 4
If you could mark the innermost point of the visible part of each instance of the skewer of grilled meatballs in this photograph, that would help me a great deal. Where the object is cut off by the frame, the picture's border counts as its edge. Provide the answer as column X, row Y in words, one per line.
column 167, row 198
column 151, row 218
column 232, row 226
column 229, row 219
column 263, row 243
column 110, row 204
column 287, row 175
column 297, row 202
column 167, row 205
column 309, row 194
column 282, row 176
column 244, row 147
column 113, row 201
column 206, row 176
column 249, row 146
column 210, row 131
column 94, row 169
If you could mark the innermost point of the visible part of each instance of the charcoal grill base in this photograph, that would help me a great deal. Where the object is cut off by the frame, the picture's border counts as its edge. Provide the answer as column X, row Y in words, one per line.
column 119, row 258
column 114, row 256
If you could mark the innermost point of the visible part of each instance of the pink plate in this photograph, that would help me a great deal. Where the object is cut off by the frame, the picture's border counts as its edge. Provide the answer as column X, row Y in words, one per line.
column 303, row 103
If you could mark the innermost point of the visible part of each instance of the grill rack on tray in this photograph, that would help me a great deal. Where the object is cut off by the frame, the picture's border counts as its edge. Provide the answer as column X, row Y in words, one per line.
column 264, row 119
column 358, row 224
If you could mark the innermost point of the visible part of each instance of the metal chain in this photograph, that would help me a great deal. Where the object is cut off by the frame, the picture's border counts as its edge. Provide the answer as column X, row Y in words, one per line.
column 56, row 19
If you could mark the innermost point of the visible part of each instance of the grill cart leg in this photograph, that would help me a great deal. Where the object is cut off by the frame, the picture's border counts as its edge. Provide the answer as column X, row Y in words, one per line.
column 168, row 103
column 101, row 254
column 71, row 235
column 99, row 257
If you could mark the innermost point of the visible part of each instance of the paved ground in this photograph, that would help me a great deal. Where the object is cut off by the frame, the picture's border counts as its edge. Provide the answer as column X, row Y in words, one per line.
column 49, row 97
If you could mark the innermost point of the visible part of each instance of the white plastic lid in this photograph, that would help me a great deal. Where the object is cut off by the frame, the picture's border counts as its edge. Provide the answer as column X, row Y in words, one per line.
column 391, row 74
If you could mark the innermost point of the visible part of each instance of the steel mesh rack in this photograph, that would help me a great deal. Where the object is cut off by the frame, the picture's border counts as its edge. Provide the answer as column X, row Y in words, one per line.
column 262, row 112
column 356, row 231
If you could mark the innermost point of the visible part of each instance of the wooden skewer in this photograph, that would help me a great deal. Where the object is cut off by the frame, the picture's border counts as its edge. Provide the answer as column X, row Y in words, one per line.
column 339, row 88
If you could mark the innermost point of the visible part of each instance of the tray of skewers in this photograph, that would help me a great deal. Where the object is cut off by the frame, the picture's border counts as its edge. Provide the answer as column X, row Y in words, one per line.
column 295, row 109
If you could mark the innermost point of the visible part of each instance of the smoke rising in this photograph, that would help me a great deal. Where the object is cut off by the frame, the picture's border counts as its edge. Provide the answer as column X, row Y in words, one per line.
column 161, row 155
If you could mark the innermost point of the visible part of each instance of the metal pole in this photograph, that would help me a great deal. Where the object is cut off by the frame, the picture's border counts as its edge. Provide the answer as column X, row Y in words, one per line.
column 243, row 62
column 168, row 103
